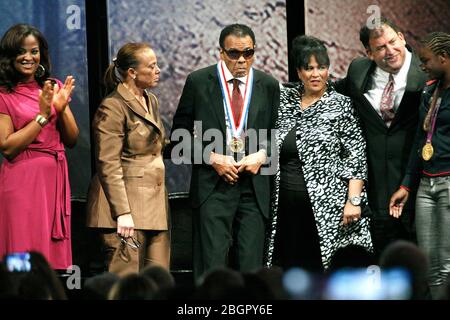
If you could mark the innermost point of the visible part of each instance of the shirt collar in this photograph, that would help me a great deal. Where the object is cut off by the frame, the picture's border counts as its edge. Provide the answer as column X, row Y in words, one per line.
column 401, row 75
column 229, row 77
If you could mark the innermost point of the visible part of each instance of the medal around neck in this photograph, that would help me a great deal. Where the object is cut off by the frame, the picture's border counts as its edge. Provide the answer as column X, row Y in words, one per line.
column 427, row 151
column 236, row 144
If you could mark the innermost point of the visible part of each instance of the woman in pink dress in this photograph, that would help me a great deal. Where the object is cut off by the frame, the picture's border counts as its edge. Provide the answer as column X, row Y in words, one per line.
column 35, row 124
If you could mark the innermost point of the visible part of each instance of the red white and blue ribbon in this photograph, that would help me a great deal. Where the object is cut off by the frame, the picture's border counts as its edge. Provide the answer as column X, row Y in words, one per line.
column 236, row 127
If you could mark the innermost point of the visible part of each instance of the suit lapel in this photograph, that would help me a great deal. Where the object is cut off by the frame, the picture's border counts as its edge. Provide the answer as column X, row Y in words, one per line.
column 362, row 78
column 154, row 116
column 136, row 107
column 363, row 83
column 254, row 102
column 217, row 99
column 415, row 78
column 151, row 119
column 414, row 83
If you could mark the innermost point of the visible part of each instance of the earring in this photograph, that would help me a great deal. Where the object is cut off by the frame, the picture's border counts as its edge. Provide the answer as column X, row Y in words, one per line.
column 40, row 71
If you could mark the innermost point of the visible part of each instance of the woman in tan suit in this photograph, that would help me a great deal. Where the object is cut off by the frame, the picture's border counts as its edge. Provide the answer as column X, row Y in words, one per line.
column 127, row 198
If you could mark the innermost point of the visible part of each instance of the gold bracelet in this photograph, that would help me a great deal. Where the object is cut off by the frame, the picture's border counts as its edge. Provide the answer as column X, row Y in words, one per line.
column 41, row 120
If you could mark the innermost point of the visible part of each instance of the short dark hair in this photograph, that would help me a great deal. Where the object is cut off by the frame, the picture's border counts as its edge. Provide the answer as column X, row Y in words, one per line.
column 304, row 47
column 10, row 46
column 238, row 30
column 365, row 33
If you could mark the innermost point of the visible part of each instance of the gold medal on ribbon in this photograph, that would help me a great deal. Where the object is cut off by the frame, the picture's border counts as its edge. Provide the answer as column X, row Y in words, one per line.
column 427, row 151
column 236, row 145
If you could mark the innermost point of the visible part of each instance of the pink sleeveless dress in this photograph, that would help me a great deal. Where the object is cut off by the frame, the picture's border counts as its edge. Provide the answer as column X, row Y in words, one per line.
column 34, row 186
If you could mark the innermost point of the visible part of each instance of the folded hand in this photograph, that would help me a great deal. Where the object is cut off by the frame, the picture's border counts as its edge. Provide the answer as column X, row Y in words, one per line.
column 225, row 167
column 252, row 162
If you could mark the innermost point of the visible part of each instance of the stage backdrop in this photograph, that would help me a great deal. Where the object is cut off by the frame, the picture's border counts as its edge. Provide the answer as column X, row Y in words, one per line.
column 338, row 23
column 184, row 35
column 63, row 24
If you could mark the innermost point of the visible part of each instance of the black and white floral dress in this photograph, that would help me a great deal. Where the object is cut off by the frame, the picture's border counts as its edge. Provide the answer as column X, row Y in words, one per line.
column 332, row 151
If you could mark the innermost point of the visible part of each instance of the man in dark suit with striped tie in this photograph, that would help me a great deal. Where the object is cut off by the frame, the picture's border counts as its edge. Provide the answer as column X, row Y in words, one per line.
column 386, row 87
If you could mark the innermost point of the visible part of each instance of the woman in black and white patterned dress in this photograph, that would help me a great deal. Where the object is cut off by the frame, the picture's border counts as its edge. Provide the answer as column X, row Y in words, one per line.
column 319, row 184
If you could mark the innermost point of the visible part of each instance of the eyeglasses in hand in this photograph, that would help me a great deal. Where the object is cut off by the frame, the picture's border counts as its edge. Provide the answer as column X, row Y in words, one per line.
column 130, row 241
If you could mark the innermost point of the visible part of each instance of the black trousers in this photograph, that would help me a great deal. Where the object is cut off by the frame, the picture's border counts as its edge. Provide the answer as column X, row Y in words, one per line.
column 229, row 218
column 297, row 240
column 385, row 229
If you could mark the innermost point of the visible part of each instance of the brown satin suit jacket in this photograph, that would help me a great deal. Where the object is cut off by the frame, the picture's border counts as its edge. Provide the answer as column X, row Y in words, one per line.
column 130, row 168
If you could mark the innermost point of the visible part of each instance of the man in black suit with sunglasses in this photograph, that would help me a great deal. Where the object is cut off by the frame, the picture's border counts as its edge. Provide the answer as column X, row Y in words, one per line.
column 229, row 192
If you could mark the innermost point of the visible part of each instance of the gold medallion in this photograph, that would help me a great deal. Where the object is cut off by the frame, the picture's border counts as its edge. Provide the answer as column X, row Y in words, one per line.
column 236, row 145
column 427, row 151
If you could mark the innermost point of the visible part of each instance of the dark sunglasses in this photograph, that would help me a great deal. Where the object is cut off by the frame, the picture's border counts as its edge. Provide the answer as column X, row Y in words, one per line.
column 236, row 54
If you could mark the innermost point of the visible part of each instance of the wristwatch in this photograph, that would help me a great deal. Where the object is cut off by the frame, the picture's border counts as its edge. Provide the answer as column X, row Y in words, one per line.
column 41, row 120
column 355, row 200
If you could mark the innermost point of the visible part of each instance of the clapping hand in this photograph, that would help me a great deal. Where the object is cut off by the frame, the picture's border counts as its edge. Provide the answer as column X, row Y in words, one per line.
column 45, row 99
column 61, row 95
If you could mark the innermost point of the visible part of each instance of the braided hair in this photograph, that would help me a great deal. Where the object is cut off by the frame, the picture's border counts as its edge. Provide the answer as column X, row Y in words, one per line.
column 438, row 42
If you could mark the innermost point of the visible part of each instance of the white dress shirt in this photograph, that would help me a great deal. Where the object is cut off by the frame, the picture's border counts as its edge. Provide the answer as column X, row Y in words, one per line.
column 229, row 78
column 380, row 79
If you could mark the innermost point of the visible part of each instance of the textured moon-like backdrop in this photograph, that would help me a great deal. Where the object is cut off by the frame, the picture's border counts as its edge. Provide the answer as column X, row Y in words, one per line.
column 337, row 22
column 185, row 37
